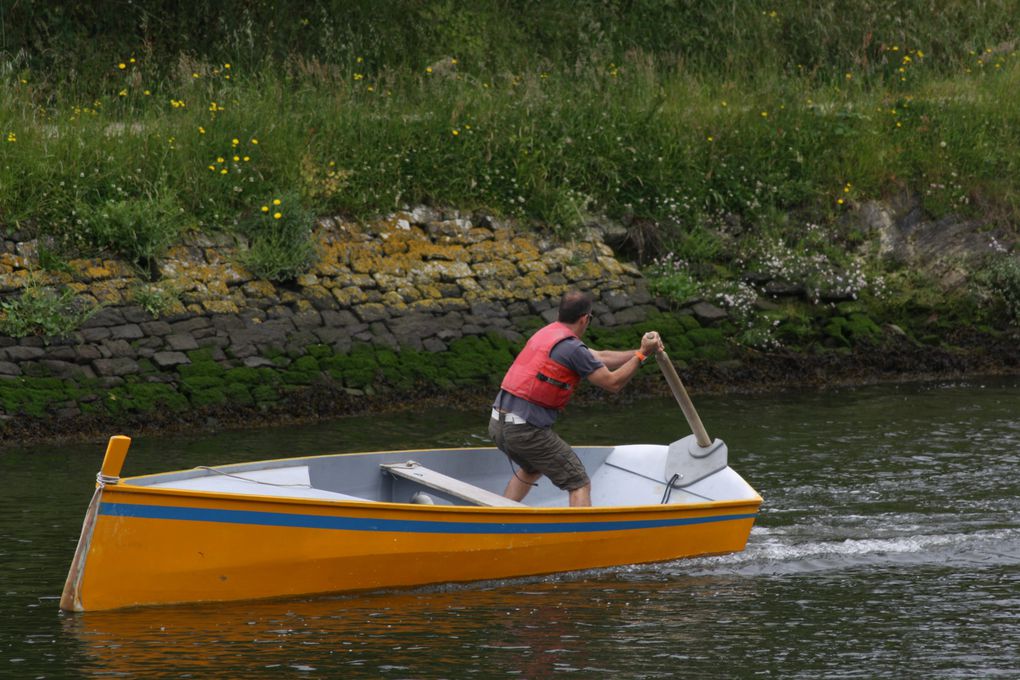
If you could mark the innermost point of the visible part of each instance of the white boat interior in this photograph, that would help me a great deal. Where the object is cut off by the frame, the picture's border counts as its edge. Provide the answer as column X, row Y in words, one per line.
column 630, row 475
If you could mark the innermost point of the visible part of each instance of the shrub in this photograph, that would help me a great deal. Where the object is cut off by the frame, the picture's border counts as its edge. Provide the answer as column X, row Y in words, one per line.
column 280, row 240
column 43, row 311
column 1000, row 281
column 156, row 299
column 138, row 228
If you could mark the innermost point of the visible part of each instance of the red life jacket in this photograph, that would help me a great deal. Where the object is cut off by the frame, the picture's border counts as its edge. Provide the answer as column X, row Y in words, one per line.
column 536, row 377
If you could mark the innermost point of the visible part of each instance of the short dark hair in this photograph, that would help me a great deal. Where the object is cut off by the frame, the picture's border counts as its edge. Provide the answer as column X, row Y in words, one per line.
column 574, row 305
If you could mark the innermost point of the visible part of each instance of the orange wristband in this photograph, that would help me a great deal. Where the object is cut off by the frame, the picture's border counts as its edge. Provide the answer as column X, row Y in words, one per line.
column 640, row 357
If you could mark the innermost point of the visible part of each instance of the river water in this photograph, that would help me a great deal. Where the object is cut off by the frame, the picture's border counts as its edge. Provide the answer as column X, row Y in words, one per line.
column 888, row 547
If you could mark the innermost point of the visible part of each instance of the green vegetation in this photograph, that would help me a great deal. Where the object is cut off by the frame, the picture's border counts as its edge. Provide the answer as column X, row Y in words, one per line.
column 41, row 310
column 280, row 247
column 1000, row 281
column 155, row 298
column 726, row 137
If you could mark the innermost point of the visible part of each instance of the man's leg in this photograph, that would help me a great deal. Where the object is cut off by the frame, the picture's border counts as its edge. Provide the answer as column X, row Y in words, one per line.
column 520, row 484
column 581, row 498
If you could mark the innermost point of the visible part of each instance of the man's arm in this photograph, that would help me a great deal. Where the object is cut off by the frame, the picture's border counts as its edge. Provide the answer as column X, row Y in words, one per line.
column 621, row 365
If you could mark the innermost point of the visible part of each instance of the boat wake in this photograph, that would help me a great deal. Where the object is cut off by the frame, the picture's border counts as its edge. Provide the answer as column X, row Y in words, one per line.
column 771, row 552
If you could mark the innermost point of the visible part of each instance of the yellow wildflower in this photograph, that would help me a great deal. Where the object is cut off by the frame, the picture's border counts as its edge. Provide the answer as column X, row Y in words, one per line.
column 122, row 66
column 265, row 208
column 122, row 93
column 201, row 130
column 277, row 215
column 276, row 201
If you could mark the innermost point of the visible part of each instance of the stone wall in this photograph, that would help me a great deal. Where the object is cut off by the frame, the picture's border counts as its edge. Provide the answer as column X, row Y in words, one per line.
column 422, row 283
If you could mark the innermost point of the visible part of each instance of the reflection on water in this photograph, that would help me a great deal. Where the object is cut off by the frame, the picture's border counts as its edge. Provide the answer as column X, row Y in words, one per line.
column 529, row 628
column 888, row 547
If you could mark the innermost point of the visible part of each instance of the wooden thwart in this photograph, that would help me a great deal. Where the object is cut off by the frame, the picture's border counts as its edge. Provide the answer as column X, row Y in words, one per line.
column 427, row 477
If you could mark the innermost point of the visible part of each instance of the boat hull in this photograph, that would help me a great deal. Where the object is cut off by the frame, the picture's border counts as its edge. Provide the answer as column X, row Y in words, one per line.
column 162, row 546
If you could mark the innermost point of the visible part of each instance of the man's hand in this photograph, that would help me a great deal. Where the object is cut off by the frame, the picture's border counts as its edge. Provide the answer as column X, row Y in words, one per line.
column 651, row 343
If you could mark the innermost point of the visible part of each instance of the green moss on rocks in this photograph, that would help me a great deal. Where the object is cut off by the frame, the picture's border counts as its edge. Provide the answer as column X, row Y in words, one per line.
column 208, row 397
column 243, row 375
column 265, row 394
column 144, row 398
column 705, row 337
column 237, row 393
column 202, row 368
column 319, row 351
column 198, row 383
column 306, row 364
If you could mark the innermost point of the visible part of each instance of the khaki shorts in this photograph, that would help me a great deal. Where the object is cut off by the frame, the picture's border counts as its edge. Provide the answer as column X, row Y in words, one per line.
column 539, row 449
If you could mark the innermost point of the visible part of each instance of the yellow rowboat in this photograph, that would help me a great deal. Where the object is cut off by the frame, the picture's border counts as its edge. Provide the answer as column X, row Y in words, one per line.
column 346, row 522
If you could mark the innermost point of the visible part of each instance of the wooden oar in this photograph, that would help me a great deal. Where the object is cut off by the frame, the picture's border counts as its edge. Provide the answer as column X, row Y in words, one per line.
column 686, row 405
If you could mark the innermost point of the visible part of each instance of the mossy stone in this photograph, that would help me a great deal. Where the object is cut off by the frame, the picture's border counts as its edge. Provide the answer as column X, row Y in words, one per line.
column 702, row 337
column 199, row 383
column 208, row 397
column 238, row 393
column 200, row 355
column 295, row 377
column 148, row 397
column 307, row 364
column 320, row 351
column 207, row 368
column 264, row 394
column 243, row 375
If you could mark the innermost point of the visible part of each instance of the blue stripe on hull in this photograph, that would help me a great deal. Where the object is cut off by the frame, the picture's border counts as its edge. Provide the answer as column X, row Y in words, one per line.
column 279, row 519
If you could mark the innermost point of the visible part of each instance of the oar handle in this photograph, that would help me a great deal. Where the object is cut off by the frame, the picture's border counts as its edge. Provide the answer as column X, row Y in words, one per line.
column 686, row 405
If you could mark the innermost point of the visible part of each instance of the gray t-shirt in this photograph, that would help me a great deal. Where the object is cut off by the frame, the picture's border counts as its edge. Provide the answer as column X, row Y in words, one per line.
column 573, row 354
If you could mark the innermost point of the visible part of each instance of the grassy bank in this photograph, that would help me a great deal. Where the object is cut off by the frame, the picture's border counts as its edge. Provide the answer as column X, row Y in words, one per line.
column 725, row 137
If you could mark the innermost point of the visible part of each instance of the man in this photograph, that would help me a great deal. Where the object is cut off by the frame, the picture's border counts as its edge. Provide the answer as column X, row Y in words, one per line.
column 538, row 386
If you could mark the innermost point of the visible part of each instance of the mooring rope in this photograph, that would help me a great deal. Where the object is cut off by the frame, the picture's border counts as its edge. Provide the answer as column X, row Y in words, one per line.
column 246, row 479
column 102, row 480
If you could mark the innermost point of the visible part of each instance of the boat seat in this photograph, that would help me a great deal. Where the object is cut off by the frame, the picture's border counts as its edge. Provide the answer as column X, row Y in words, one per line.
column 416, row 472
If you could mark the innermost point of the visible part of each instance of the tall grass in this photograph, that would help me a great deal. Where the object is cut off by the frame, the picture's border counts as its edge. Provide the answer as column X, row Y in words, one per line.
column 682, row 116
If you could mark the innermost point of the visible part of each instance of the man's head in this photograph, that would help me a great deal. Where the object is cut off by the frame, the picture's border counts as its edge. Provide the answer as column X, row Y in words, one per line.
column 573, row 306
